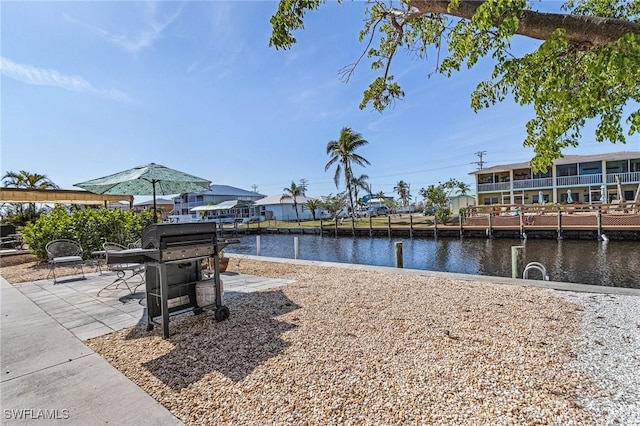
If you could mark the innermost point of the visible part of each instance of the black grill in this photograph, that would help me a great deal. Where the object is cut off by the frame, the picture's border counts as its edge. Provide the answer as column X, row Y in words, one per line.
column 173, row 254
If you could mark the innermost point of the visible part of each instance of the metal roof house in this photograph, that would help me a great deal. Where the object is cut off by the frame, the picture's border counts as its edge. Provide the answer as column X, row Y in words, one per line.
column 583, row 179
column 460, row 201
column 216, row 194
column 163, row 205
column 278, row 208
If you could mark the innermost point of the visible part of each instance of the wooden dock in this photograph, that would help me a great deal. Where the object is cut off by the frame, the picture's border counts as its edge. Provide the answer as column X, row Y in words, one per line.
column 616, row 222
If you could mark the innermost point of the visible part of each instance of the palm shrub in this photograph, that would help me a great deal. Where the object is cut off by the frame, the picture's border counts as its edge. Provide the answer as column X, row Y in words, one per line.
column 90, row 227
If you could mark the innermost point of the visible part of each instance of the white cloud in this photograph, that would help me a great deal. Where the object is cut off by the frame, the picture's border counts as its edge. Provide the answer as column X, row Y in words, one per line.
column 47, row 77
column 154, row 23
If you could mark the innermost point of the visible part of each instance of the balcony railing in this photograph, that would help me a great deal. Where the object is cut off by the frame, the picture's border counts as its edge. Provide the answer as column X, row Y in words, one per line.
column 533, row 183
column 492, row 187
column 583, row 180
column 631, row 177
column 579, row 180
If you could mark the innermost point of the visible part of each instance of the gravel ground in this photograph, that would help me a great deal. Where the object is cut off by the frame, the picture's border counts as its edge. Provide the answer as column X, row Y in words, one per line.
column 362, row 347
column 609, row 352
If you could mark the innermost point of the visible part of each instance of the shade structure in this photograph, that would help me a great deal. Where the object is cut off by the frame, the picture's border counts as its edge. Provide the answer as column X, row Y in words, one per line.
column 619, row 189
column 603, row 195
column 150, row 179
column 225, row 205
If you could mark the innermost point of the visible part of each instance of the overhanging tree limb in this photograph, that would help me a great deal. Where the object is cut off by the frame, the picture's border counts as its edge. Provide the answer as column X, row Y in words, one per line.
column 594, row 30
column 586, row 68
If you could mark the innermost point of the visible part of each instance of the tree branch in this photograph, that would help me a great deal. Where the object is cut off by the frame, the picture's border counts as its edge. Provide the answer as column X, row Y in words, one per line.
column 584, row 30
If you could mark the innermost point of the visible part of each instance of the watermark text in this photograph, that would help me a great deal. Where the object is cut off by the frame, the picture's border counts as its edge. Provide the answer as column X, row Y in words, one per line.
column 35, row 414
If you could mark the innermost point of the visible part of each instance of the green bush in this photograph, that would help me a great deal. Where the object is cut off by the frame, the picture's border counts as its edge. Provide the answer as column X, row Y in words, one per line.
column 442, row 215
column 89, row 227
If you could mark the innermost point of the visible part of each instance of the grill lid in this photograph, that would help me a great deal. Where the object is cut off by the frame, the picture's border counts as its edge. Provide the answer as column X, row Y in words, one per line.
column 160, row 236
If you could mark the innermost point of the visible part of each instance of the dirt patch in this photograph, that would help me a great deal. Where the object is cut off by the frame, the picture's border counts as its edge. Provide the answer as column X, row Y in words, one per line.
column 26, row 267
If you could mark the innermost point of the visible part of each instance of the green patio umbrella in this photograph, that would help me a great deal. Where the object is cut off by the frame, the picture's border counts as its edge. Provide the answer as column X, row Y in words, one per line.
column 150, row 179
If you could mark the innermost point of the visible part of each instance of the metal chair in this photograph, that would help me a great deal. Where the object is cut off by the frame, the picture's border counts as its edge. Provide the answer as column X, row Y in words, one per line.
column 63, row 252
column 121, row 269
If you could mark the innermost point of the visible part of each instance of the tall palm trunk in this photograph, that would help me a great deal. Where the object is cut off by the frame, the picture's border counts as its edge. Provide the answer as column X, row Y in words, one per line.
column 295, row 207
column 348, row 176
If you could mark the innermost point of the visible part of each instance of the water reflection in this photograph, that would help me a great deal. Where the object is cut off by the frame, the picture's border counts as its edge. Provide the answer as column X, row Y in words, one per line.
column 616, row 263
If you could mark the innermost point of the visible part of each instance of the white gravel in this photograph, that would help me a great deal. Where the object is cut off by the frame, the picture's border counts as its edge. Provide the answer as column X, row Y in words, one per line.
column 362, row 347
column 609, row 352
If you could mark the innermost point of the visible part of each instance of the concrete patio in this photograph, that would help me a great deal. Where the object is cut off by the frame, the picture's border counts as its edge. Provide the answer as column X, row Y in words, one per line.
column 75, row 304
column 48, row 373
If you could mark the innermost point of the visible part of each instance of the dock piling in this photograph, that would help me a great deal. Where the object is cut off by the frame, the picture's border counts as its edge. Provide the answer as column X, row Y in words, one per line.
column 398, row 252
column 517, row 261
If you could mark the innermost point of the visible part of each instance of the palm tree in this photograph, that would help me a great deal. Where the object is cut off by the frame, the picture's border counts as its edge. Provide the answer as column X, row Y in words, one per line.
column 359, row 183
column 26, row 180
column 402, row 188
column 294, row 191
column 343, row 153
column 463, row 188
column 313, row 205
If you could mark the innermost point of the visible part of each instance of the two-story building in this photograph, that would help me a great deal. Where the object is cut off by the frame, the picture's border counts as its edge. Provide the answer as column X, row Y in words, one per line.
column 227, row 199
column 584, row 179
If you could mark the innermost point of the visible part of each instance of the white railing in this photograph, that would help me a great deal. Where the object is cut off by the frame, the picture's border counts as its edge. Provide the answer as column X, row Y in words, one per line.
column 579, row 180
column 492, row 187
column 582, row 180
column 631, row 177
column 533, row 183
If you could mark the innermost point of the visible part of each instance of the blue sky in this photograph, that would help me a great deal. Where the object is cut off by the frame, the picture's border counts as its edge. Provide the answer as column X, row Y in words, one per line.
column 92, row 88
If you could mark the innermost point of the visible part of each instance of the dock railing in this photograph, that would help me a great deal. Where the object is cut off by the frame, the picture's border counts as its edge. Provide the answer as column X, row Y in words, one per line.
column 506, row 220
column 625, row 207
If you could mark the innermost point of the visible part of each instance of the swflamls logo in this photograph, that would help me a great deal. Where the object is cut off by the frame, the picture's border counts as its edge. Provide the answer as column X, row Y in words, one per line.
column 35, row 414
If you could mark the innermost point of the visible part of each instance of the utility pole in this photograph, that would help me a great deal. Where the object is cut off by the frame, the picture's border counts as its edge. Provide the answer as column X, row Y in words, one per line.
column 480, row 161
column 254, row 187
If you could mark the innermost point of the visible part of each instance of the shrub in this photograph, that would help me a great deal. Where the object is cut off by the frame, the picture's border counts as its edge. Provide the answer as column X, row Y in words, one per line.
column 89, row 227
column 442, row 215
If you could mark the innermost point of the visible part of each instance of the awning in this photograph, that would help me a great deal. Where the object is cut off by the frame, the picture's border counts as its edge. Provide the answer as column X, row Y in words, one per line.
column 59, row 196
column 225, row 205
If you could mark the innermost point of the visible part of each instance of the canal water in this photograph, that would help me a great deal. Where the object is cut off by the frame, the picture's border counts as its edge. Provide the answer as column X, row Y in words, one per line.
column 614, row 263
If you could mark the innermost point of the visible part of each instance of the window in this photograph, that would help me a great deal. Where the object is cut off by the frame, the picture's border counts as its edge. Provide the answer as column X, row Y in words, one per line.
column 490, row 200
column 567, row 170
column 617, row 166
column 521, row 174
column 485, row 179
column 541, row 175
column 634, row 165
column 575, row 197
column 591, row 168
column 536, row 199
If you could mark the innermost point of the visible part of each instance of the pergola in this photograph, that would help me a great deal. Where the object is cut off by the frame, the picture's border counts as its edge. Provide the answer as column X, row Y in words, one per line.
column 60, row 196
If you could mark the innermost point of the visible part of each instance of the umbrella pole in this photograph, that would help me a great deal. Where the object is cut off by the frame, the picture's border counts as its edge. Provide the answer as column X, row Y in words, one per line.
column 155, row 213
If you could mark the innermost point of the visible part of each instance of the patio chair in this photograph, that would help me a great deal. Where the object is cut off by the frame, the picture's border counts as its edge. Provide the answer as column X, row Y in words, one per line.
column 136, row 244
column 121, row 269
column 63, row 252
